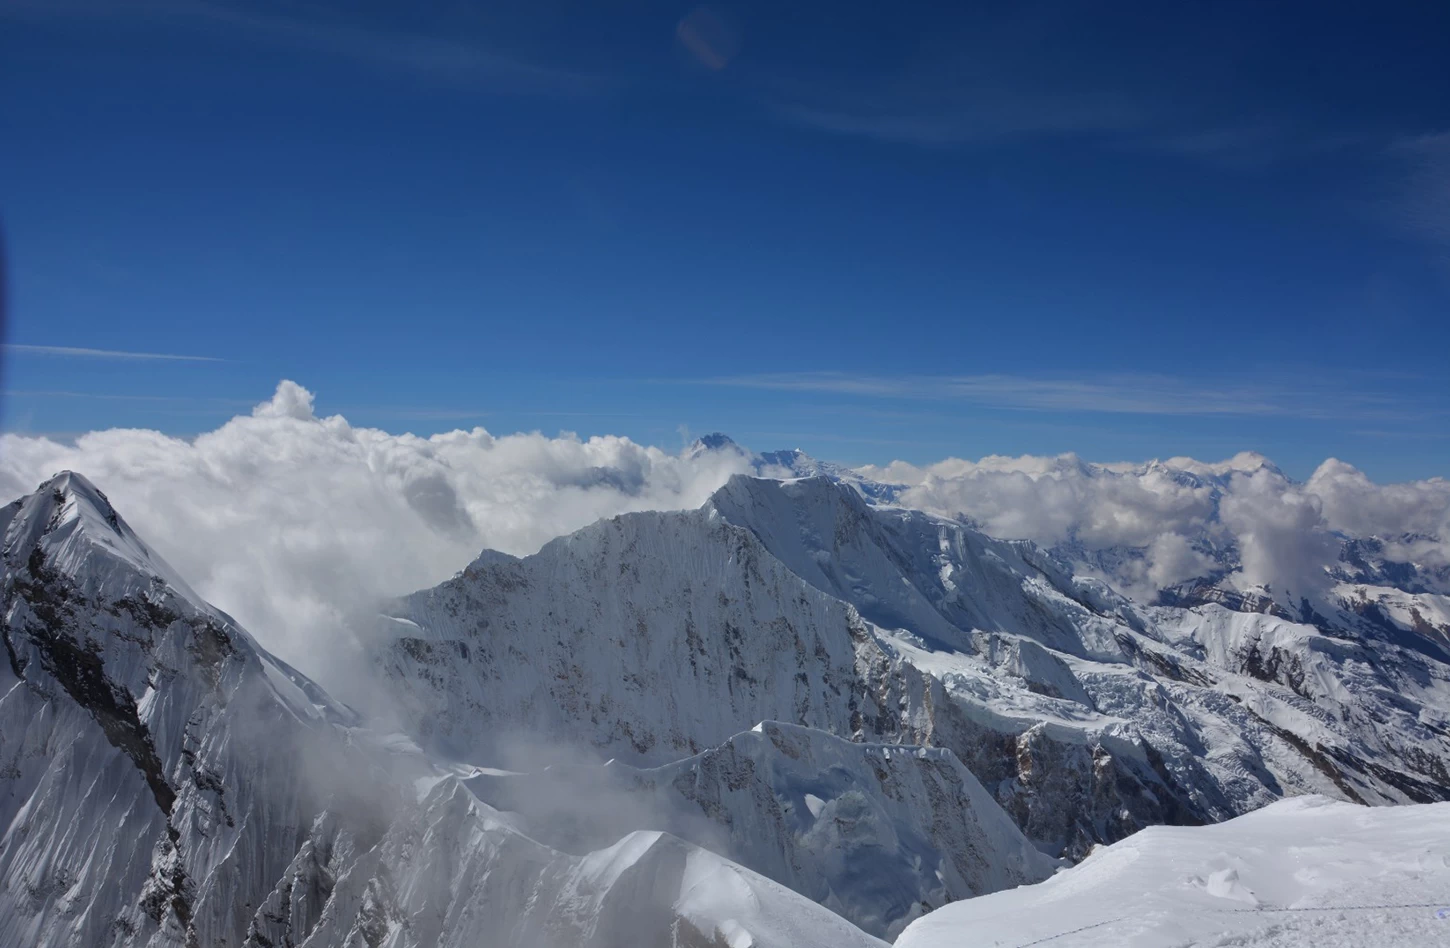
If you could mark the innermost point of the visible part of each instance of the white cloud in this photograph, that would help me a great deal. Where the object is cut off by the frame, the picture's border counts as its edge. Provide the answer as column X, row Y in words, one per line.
column 1171, row 513
column 1052, row 500
column 76, row 352
column 290, row 521
column 1281, row 532
column 1356, row 505
column 1171, row 559
column 1114, row 394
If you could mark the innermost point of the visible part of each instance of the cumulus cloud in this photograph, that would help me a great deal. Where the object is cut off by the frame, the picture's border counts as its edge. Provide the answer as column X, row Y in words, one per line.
column 1282, row 536
column 293, row 522
column 1053, row 500
column 1167, row 522
column 1412, row 516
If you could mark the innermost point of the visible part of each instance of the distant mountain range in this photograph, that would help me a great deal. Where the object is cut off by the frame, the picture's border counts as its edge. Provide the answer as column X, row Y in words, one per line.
column 806, row 713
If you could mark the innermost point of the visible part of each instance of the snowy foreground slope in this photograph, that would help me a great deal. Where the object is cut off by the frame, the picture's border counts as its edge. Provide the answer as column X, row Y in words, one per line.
column 166, row 782
column 1301, row 873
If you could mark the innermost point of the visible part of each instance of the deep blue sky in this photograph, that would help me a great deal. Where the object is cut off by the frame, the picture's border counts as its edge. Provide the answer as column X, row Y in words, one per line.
column 869, row 230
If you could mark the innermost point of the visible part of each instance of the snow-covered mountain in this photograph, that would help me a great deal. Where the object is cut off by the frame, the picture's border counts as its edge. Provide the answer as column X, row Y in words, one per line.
column 1178, row 532
column 791, row 463
column 164, row 781
column 801, row 714
column 1087, row 715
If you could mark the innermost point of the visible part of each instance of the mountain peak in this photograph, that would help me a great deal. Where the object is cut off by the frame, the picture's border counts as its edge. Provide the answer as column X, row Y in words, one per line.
column 74, row 525
column 744, row 491
column 89, row 501
column 714, row 441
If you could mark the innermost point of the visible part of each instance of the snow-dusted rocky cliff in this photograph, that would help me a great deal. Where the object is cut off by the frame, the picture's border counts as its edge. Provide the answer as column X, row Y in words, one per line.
column 1086, row 714
column 164, row 781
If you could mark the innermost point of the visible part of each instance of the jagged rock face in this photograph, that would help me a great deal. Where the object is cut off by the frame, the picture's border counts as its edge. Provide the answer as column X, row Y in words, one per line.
column 1363, row 561
column 166, row 782
column 150, row 778
column 650, row 637
column 1087, row 715
column 1176, row 694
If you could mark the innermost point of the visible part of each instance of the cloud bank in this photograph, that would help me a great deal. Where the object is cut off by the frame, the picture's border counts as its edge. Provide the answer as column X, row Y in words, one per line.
column 290, row 521
column 295, row 524
column 1186, row 518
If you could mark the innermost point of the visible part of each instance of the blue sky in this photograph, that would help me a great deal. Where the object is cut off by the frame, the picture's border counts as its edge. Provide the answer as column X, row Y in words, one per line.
column 871, row 230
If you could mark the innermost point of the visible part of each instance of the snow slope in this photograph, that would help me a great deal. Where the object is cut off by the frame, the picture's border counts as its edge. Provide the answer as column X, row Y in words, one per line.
column 1301, row 873
column 451, row 872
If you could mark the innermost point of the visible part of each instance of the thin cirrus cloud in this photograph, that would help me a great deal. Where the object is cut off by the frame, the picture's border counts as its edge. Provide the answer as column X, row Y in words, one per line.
column 80, row 352
column 1128, row 394
column 1424, row 206
column 952, row 126
column 326, row 31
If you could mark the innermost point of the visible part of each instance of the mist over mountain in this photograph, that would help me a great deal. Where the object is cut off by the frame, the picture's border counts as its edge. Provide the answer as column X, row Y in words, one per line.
column 290, row 521
column 724, row 474
column 764, row 700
